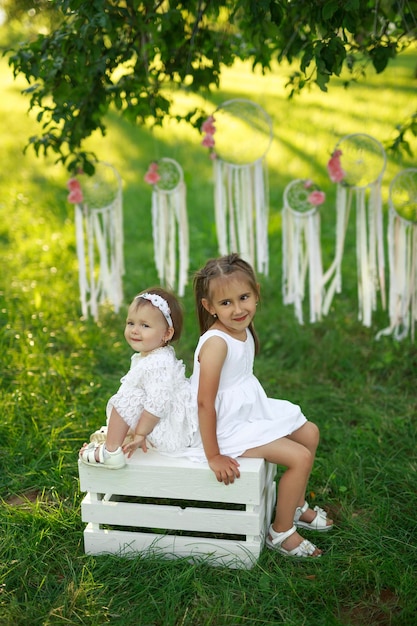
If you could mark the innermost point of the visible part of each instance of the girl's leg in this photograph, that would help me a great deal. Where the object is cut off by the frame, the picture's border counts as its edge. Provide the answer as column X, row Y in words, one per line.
column 308, row 435
column 291, row 488
column 117, row 430
column 109, row 453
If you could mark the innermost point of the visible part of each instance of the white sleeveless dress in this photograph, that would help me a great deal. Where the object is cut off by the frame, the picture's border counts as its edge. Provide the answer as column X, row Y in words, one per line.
column 246, row 417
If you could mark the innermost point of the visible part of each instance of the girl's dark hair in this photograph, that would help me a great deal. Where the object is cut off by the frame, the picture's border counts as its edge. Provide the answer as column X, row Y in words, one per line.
column 174, row 305
column 214, row 268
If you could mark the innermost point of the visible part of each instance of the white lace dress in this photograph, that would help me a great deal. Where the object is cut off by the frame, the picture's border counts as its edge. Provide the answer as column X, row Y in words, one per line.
column 157, row 383
column 246, row 417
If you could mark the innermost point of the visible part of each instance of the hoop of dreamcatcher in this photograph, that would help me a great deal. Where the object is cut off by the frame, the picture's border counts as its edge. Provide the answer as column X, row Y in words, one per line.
column 357, row 166
column 301, row 249
column 99, row 237
column 402, row 255
column 243, row 135
column 169, row 223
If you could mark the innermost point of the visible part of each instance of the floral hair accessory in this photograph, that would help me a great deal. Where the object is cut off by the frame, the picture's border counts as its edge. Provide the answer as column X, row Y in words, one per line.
column 152, row 177
column 316, row 197
column 334, row 167
column 75, row 195
column 160, row 303
column 209, row 129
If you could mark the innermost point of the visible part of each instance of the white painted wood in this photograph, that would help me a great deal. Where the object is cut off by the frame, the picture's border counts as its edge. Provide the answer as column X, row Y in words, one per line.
column 168, row 482
column 156, row 475
column 216, row 552
column 174, row 517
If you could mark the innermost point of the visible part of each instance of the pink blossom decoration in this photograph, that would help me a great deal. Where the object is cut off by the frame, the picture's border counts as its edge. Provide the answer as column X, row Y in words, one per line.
column 308, row 183
column 75, row 195
column 152, row 177
column 334, row 167
column 316, row 197
column 208, row 141
column 208, row 128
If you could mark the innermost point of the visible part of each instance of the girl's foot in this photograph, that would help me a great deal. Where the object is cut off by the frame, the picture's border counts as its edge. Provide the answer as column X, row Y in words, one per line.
column 290, row 543
column 97, row 455
column 312, row 519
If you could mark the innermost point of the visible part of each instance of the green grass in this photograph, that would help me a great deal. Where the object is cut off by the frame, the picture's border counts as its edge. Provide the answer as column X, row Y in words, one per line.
column 59, row 369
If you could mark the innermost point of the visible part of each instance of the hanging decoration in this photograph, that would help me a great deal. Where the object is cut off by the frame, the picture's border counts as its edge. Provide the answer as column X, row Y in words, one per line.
column 357, row 166
column 301, row 249
column 402, row 255
column 99, row 237
column 238, row 136
column 169, row 223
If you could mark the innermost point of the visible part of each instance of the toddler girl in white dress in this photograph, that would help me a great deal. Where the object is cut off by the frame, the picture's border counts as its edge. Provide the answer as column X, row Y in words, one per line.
column 155, row 402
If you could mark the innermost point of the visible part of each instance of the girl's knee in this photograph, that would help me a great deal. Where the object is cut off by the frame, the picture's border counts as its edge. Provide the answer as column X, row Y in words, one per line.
column 313, row 434
column 305, row 459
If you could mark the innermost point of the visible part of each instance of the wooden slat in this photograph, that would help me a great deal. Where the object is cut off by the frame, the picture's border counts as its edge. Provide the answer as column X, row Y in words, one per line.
column 215, row 552
column 158, row 476
column 174, row 517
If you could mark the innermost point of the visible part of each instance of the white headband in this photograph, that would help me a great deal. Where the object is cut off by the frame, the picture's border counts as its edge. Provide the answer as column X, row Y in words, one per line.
column 160, row 303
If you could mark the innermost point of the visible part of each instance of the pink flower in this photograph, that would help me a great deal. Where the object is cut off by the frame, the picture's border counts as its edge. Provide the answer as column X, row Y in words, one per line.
column 334, row 167
column 316, row 197
column 73, row 183
column 151, row 177
column 308, row 183
column 208, row 141
column 208, row 126
column 75, row 195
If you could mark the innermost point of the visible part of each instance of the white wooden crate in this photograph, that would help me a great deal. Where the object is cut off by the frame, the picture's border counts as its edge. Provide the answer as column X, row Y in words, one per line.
column 177, row 508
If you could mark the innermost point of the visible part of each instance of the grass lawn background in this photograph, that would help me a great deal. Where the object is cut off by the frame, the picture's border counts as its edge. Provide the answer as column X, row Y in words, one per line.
column 59, row 369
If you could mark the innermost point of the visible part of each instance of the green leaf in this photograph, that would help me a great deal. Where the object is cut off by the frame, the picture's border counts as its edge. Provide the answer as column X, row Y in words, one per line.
column 329, row 9
column 380, row 56
column 322, row 80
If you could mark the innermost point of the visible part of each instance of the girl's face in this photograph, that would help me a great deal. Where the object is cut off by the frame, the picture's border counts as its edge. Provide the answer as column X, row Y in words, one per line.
column 233, row 300
column 146, row 328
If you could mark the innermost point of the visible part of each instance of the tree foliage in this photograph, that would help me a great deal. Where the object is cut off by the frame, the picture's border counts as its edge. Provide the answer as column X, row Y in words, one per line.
column 129, row 54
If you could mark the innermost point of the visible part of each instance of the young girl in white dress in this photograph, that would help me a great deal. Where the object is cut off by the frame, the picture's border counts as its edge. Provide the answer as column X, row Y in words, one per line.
column 155, row 402
column 236, row 418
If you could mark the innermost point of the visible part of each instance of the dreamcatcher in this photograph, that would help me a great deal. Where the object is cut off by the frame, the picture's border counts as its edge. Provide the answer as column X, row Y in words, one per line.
column 301, row 250
column 99, row 237
column 357, row 166
column 243, row 134
column 169, row 223
column 402, row 255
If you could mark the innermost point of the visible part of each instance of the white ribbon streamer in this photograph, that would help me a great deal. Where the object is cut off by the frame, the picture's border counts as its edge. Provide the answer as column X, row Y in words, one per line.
column 301, row 253
column 99, row 241
column 242, row 211
column 402, row 259
column 362, row 166
column 170, row 230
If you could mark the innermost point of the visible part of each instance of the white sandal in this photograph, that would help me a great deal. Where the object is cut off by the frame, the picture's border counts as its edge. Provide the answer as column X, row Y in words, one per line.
column 318, row 523
column 110, row 460
column 275, row 540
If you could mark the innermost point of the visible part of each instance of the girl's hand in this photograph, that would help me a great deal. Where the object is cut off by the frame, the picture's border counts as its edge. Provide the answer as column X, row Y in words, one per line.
column 132, row 446
column 225, row 468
